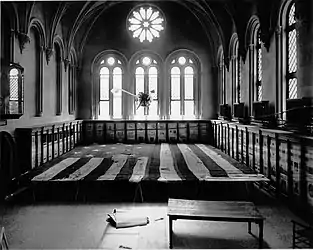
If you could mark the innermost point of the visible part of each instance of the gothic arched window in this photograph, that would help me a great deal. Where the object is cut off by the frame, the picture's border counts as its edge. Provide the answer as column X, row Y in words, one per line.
column 235, row 62
column 259, row 71
column 58, row 70
column 111, row 77
column 292, row 63
column 183, row 87
column 222, row 81
column 146, row 81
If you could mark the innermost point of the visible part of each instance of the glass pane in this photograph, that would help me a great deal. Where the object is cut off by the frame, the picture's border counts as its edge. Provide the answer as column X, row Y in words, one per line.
column 175, row 83
column 146, row 61
column 175, row 71
column 104, row 87
column 189, row 108
column 189, row 83
column 292, row 51
column 140, row 84
column 140, row 112
column 188, row 70
column 153, row 108
column 104, row 110
column 13, row 87
column 117, row 71
column 153, row 82
column 291, row 18
column 111, row 61
column 104, row 71
column 292, row 90
column 117, row 106
column 175, row 108
column 260, row 64
column 260, row 91
column 182, row 60
column 117, row 97
column 140, row 71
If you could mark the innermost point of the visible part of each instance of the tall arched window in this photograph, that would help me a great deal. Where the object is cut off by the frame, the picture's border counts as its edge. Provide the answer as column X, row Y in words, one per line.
column 16, row 98
column 222, row 81
column 235, row 62
column 71, row 84
column 292, row 63
column 146, row 81
column 183, row 87
column 38, row 35
column 58, row 72
column 259, row 70
column 111, row 77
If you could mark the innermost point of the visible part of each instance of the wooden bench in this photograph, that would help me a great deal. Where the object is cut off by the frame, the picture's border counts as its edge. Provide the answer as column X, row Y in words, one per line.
column 232, row 211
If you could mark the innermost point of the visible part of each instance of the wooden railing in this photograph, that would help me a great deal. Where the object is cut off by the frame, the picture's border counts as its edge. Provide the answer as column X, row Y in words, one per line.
column 37, row 145
column 282, row 156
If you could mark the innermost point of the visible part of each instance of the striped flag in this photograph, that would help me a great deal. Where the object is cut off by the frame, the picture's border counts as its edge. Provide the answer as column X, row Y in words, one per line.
column 139, row 162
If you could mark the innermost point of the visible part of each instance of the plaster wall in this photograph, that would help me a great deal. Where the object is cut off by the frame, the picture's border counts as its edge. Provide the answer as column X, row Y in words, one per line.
column 111, row 33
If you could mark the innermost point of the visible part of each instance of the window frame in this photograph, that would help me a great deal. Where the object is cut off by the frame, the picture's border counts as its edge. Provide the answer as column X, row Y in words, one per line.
column 155, row 62
column 288, row 29
column 196, row 85
column 111, row 68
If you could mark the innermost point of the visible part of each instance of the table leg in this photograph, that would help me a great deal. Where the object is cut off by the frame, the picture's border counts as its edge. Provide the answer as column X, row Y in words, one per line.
column 261, row 234
column 170, row 232
column 249, row 227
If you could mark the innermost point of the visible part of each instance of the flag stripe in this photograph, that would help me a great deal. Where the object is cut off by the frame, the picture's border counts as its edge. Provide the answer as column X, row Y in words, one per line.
column 167, row 168
column 215, row 169
column 153, row 171
column 157, row 162
column 230, row 169
column 127, row 170
column 193, row 162
column 54, row 170
column 85, row 170
column 139, row 169
column 180, row 164
column 64, row 174
column 110, row 174
column 100, row 170
column 242, row 167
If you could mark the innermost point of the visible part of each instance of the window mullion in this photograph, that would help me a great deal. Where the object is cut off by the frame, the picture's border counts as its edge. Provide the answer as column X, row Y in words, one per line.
column 146, row 87
column 182, row 93
column 110, row 93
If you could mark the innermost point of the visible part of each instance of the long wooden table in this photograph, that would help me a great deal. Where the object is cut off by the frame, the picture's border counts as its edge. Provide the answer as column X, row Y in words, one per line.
column 232, row 211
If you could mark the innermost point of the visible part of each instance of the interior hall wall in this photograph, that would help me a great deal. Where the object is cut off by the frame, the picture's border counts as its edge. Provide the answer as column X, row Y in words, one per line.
column 305, row 48
column 269, row 81
column 27, row 60
column 182, row 31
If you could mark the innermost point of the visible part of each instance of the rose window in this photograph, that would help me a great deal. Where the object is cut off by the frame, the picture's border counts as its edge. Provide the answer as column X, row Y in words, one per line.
column 146, row 23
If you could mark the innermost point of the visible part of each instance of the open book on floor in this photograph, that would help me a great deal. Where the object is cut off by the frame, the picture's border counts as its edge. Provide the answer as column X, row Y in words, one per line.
column 126, row 219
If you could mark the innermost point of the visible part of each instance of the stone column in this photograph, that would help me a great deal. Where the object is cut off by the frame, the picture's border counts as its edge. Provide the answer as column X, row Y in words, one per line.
column 279, row 72
column 251, row 77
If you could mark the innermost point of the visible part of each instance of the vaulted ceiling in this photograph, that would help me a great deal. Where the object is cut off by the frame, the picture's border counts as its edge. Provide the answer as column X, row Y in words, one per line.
column 219, row 18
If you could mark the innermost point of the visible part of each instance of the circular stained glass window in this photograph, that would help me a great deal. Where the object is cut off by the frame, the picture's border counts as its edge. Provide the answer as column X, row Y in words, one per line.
column 146, row 23
column 182, row 60
column 146, row 61
column 111, row 61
